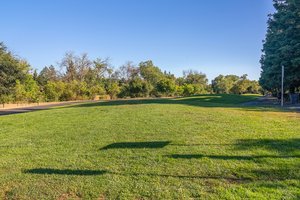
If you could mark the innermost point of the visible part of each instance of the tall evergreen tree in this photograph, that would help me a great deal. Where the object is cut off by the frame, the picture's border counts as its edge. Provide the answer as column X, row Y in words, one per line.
column 282, row 47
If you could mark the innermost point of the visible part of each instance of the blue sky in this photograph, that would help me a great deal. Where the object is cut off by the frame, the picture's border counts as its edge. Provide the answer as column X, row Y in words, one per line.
column 211, row 36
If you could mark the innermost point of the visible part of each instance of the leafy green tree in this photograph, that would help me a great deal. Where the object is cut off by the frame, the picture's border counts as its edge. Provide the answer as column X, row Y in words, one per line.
column 254, row 88
column 179, row 90
column 81, row 90
column 20, row 92
column 234, row 84
column 223, row 84
column 241, row 86
column 180, row 81
column 124, row 91
column 138, row 87
column 200, row 89
column 127, row 72
column 166, row 87
column 32, row 89
column 69, row 92
column 47, row 74
column 150, row 73
column 112, row 89
column 101, row 68
column 5, row 98
column 11, row 70
column 35, row 75
column 54, row 90
column 188, row 89
column 95, row 90
column 195, row 77
column 197, row 80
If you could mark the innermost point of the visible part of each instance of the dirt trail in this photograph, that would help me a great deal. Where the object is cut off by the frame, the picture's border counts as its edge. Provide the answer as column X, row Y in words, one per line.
column 263, row 101
column 43, row 106
column 267, row 101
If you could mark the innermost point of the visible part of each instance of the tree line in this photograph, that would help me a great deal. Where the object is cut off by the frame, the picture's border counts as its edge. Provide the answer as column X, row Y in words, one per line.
column 282, row 48
column 77, row 77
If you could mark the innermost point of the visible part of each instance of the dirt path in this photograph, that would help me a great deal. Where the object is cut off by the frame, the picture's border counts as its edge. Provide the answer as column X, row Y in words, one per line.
column 9, row 111
column 262, row 101
column 272, row 102
column 13, row 109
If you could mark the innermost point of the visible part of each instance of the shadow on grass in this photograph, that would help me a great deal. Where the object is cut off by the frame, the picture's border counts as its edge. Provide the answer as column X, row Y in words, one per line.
column 225, row 157
column 204, row 144
column 287, row 148
column 287, row 173
column 278, row 171
column 137, row 145
column 49, row 171
column 282, row 146
column 64, row 172
column 252, row 175
column 210, row 100
column 215, row 177
column 249, row 175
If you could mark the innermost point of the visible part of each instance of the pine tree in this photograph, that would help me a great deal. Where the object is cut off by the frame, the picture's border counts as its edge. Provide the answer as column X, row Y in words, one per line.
column 282, row 47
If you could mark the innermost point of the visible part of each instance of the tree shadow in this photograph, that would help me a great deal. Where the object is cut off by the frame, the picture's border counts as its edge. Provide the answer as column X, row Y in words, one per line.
column 279, row 170
column 64, row 172
column 216, row 177
column 137, row 145
column 283, row 146
column 204, row 144
column 50, row 171
column 287, row 148
column 209, row 100
column 251, row 176
column 206, row 100
column 227, row 157
column 256, row 175
column 287, row 173
column 264, row 175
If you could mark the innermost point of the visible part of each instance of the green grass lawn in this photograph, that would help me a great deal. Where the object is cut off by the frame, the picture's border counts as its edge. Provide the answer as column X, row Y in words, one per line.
column 202, row 147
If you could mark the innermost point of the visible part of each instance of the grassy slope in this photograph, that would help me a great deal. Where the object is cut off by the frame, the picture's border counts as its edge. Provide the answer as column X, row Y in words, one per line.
column 199, row 147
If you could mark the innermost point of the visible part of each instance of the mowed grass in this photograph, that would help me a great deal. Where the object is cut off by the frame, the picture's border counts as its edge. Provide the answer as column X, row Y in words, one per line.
column 202, row 147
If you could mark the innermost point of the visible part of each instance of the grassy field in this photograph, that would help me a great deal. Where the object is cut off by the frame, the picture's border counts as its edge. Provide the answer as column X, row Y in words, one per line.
column 202, row 147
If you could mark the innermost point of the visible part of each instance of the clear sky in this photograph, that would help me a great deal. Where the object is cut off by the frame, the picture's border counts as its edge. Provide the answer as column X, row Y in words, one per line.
column 211, row 36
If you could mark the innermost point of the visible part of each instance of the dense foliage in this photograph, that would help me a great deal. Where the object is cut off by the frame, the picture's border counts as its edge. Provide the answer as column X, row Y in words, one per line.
column 79, row 77
column 232, row 84
column 11, row 70
column 282, row 47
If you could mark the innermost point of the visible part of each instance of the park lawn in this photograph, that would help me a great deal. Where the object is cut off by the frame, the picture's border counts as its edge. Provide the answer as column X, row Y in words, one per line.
column 201, row 147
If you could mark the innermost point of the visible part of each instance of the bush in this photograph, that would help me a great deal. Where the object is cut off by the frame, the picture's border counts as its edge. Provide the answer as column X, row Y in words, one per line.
column 112, row 89
column 69, row 92
column 95, row 90
column 199, row 89
column 188, row 89
column 5, row 98
column 53, row 90
column 139, row 88
column 166, row 87
column 179, row 90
